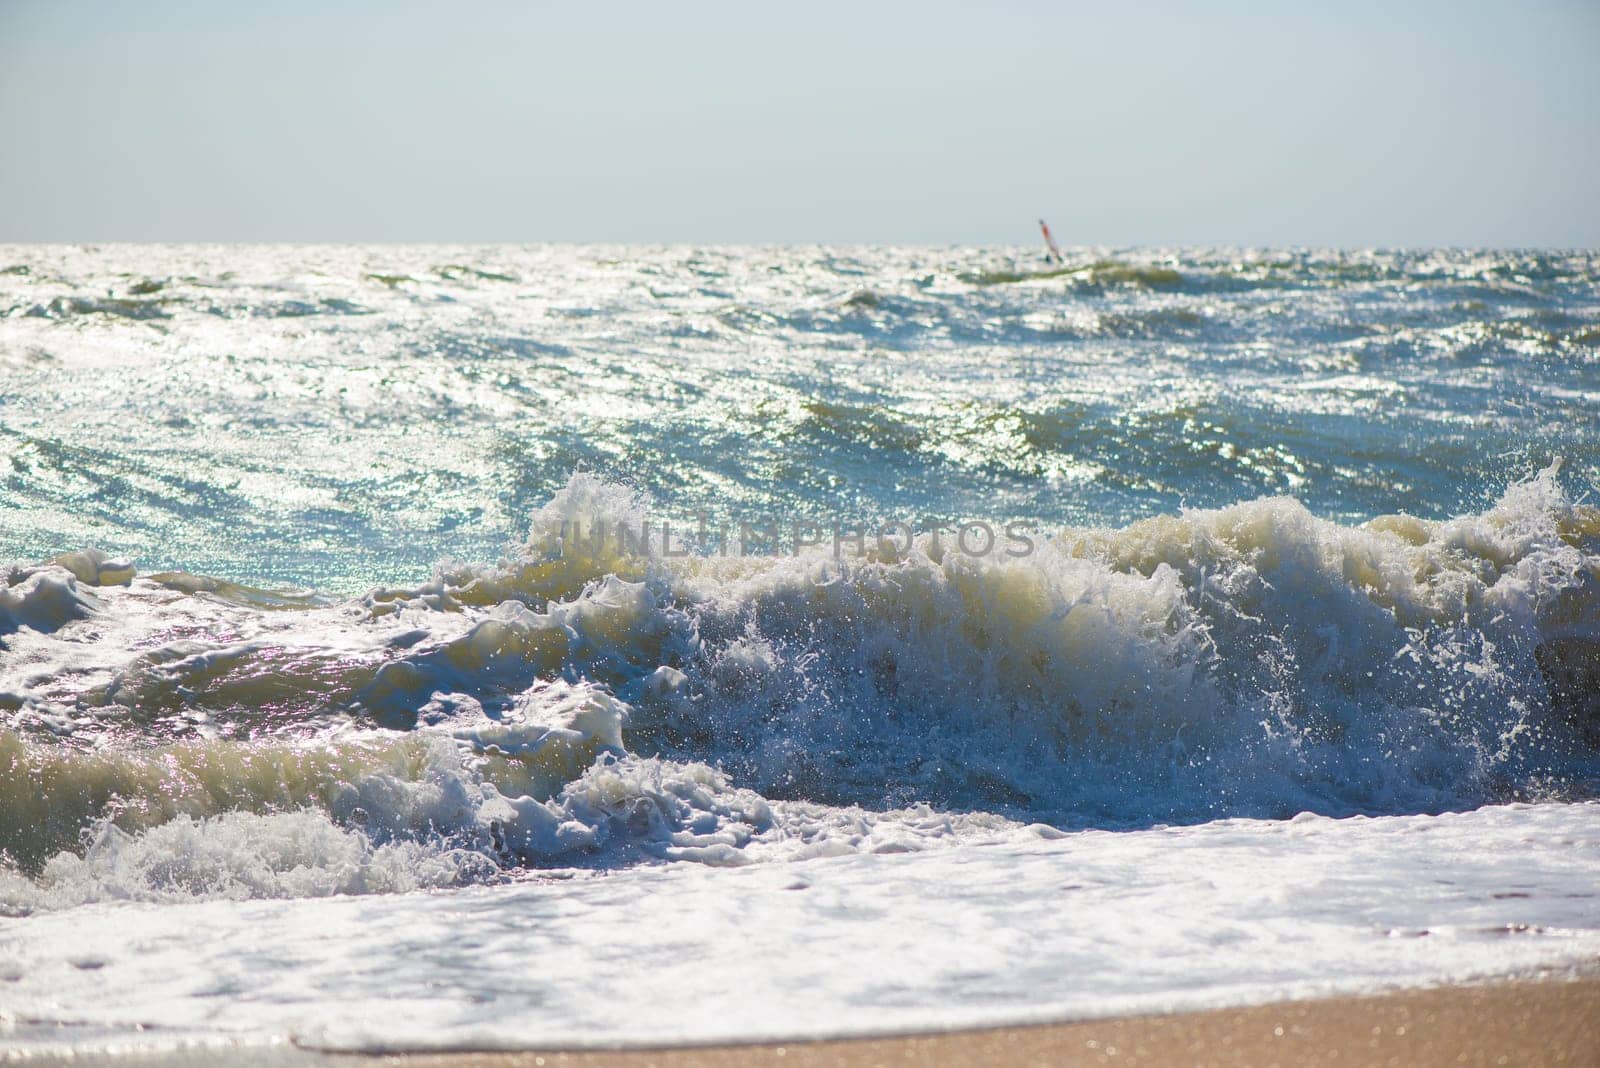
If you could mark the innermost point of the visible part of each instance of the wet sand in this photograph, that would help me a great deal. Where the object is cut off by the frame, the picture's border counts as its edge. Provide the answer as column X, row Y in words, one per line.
column 1521, row 1023
column 1524, row 1022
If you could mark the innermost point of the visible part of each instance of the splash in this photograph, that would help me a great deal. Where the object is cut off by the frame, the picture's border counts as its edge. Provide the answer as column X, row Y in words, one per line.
column 584, row 703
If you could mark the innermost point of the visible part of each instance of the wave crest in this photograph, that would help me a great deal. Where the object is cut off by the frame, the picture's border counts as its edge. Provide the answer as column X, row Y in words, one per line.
column 581, row 702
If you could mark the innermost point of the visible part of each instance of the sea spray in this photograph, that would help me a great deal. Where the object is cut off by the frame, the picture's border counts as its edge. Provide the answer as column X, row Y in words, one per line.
column 564, row 707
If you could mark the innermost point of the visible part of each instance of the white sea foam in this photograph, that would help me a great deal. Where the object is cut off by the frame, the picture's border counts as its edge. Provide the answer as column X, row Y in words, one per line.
column 1033, row 925
column 574, row 704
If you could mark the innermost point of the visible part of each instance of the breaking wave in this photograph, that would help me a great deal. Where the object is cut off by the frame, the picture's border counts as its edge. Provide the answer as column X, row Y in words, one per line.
column 584, row 703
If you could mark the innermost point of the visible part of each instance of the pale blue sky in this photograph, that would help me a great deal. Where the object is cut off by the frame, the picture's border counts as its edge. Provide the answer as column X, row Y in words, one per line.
column 1226, row 123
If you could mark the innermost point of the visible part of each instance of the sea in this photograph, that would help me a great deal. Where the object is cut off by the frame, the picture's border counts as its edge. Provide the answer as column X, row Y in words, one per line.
column 450, row 648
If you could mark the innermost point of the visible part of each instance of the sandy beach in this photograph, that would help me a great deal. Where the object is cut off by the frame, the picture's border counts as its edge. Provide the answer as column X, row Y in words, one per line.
column 1554, row 1021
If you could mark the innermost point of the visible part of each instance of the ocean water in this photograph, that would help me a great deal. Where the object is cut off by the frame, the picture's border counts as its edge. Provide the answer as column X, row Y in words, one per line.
column 435, row 647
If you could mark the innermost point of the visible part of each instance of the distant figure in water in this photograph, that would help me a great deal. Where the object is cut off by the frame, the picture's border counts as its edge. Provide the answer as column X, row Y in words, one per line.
column 1054, row 253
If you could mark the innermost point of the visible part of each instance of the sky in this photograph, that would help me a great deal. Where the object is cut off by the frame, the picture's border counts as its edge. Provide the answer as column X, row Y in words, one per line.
column 1223, row 123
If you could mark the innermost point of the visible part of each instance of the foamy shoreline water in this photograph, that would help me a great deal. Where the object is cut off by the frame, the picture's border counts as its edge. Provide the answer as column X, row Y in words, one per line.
column 1235, row 728
column 1020, row 930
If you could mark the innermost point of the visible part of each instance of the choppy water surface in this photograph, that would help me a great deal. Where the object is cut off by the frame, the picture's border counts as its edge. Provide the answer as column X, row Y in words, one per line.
column 344, row 417
column 318, row 591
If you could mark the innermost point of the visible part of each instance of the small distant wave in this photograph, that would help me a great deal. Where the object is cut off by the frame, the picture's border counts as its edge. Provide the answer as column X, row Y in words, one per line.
column 120, row 307
column 448, row 272
column 1099, row 273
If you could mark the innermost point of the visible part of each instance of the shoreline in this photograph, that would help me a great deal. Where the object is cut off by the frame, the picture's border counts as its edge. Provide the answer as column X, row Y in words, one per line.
column 1551, row 1020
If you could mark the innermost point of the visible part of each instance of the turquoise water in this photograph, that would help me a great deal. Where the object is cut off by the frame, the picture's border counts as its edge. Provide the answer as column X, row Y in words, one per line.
column 340, row 417
column 1219, row 624
column 1156, row 535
